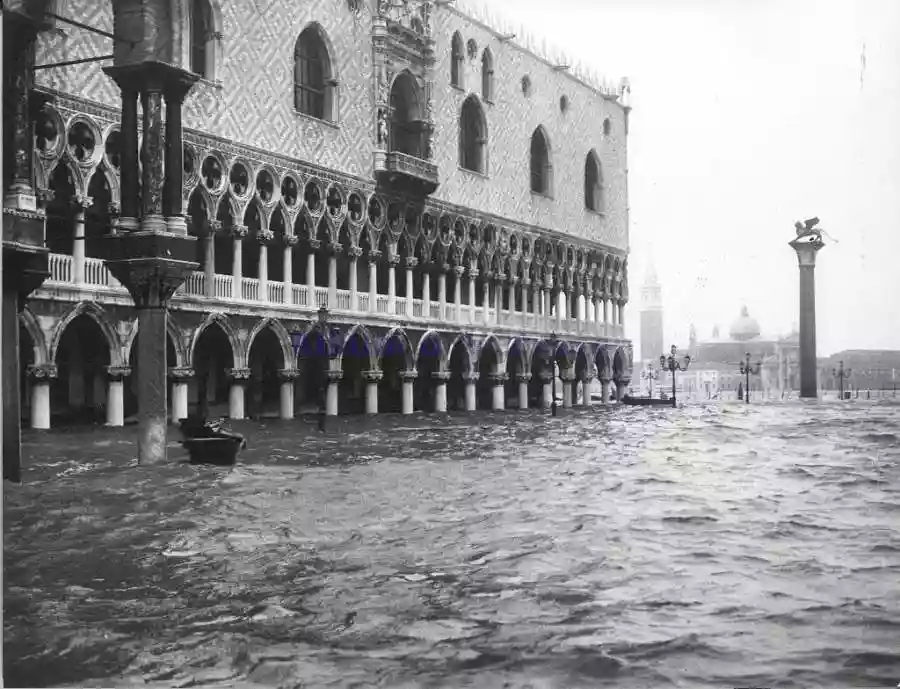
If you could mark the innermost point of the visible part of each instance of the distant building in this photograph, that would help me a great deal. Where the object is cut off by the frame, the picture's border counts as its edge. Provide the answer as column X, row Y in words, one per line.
column 651, row 317
column 865, row 369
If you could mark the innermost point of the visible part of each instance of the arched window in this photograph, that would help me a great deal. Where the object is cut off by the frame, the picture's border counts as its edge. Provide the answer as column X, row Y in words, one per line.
column 540, row 162
column 314, row 83
column 407, row 134
column 487, row 75
column 472, row 136
column 457, row 55
column 593, row 184
column 202, row 39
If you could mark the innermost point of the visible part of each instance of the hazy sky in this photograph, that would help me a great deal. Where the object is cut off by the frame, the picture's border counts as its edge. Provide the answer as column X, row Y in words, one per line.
column 749, row 115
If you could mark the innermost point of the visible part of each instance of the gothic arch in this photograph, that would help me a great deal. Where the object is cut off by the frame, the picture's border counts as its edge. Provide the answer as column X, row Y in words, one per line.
column 492, row 342
column 462, row 341
column 400, row 334
column 593, row 183
column 220, row 319
column 30, row 323
column 98, row 315
column 473, row 136
column 367, row 339
column 432, row 335
column 541, row 162
column 315, row 87
column 284, row 338
column 524, row 353
column 603, row 364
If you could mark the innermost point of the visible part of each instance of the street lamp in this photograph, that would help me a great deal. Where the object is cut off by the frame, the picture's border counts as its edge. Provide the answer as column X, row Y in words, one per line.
column 841, row 373
column 323, row 390
column 555, row 343
column 746, row 370
column 672, row 364
column 649, row 374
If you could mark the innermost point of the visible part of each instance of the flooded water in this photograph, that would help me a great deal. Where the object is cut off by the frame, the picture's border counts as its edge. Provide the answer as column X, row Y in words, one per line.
column 713, row 546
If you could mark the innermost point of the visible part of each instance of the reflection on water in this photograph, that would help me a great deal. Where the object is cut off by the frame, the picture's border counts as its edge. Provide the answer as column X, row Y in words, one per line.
column 716, row 546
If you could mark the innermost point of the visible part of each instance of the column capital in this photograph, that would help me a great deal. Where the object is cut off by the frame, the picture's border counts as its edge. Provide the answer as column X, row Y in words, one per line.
column 472, row 377
column 354, row 252
column 499, row 277
column 372, row 376
column 214, row 226
column 265, row 236
column 238, row 231
column 314, row 244
column 239, row 376
column 409, row 375
column 80, row 202
column 412, row 262
column 289, row 240
column 513, row 280
column 181, row 374
column 335, row 248
column 567, row 374
column 334, row 376
column 545, row 377
column 473, row 273
column 288, row 375
column 523, row 377
column 393, row 260
column 460, row 271
column 498, row 379
column 441, row 376
column 118, row 373
column 42, row 373
column 374, row 255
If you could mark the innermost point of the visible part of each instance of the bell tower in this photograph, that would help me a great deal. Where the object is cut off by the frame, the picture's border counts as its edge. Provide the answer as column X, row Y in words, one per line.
column 651, row 316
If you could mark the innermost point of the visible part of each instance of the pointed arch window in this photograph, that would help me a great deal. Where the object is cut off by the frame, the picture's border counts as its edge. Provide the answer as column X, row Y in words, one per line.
column 314, row 82
column 457, row 56
column 202, row 39
column 473, row 136
column 541, row 167
column 487, row 75
column 594, row 196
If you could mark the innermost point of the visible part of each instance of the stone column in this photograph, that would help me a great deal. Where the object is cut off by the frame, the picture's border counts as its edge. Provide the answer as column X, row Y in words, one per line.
column 807, row 248
column 180, row 378
column 173, row 199
column 598, row 313
column 546, row 389
column 620, row 389
column 41, row 377
column 408, row 378
column 372, row 379
column 331, row 396
column 511, row 293
column 287, row 376
column 263, row 237
column 540, row 308
column 152, row 219
column 333, row 250
column 426, row 292
column 605, row 314
column 622, row 315
column 471, row 380
column 498, row 296
column 238, row 232
column 457, row 294
column 239, row 379
column 354, row 254
column 524, row 297
column 314, row 246
column 209, row 261
column 115, row 395
column 604, row 390
column 486, row 298
column 473, row 273
column 498, row 396
column 567, row 377
column 287, row 266
column 411, row 262
column 440, row 391
column 128, row 169
column 442, row 292
column 80, row 204
column 523, row 380
column 373, row 279
column 586, row 390
column 392, row 284
column 22, row 36
column 558, row 299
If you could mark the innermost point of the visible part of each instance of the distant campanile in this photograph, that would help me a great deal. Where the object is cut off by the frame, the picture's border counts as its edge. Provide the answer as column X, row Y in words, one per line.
column 651, row 316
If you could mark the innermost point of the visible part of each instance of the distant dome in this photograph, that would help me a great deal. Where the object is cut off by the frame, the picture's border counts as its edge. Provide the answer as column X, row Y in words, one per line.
column 745, row 327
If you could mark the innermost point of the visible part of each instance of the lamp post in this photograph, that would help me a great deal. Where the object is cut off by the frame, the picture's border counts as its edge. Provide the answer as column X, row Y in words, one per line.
column 746, row 369
column 841, row 373
column 649, row 374
column 671, row 364
column 555, row 343
column 323, row 390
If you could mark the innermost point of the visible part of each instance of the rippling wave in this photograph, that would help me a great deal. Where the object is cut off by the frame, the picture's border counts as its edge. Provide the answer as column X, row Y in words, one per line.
column 713, row 546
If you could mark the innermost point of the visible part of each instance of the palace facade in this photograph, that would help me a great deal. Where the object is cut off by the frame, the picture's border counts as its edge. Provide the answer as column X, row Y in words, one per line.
column 395, row 204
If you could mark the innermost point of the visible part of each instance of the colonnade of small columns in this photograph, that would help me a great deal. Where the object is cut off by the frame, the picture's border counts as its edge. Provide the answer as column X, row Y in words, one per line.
column 42, row 376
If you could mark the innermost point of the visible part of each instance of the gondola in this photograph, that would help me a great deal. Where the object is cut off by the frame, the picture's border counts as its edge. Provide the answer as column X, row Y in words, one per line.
column 647, row 402
column 209, row 442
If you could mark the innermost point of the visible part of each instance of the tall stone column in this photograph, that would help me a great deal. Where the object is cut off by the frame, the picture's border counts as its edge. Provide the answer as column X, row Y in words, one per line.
column 457, row 294
column 523, row 379
column 473, row 274
column 411, row 263
column 115, row 396
column 546, row 389
column 238, row 232
column 128, row 168
column 79, row 205
column 21, row 33
column 498, row 296
column 334, row 250
column 262, row 269
column 287, row 376
column 440, row 391
column 372, row 378
column 523, row 296
column 605, row 314
column 586, row 390
column 173, row 196
column 180, row 377
column 426, row 292
column 604, row 390
column 314, row 246
column 471, row 380
column 41, row 376
column 511, row 293
column 209, row 261
column 622, row 303
column 373, row 279
column 392, row 284
column 559, row 298
column 152, row 157
column 442, row 291
column 354, row 254
column 408, row 379
column 598, row 313
column 567, row 376
column 334, row 380
column 237, row 392
column 486, row 298
column 621, row 385
column 807, row 247
column 498, row 380
column 287, row 266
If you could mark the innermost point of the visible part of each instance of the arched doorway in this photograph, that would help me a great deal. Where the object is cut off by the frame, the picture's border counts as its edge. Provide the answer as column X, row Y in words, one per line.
column 264, row 359
column 459, row 366
column 515, row 365
column 395, row 358
column 428, row 362
column 355, row 358
column 488, row 365
column 213, row 356
column 133, row 381
column 312, row 365
column 79, row 392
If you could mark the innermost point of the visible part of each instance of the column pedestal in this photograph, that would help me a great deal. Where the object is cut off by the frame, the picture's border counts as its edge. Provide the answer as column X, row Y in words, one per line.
column 239, row 379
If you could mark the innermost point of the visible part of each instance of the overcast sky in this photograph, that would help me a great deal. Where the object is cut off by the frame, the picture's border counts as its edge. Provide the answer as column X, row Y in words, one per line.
column 749, row 115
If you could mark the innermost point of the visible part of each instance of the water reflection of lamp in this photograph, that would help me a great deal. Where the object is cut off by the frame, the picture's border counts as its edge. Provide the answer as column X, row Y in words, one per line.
column 672, row 364
column 746, row 370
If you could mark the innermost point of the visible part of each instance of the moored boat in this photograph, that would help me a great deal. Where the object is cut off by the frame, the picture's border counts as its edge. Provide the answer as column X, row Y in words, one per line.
column 209, row 442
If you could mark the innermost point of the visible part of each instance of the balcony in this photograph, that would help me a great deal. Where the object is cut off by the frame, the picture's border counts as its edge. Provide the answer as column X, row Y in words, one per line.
column 405, row 172
column 273, row 296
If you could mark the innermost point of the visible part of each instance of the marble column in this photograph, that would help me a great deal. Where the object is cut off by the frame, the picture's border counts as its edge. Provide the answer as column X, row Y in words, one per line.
column 621, row 385
column 334, row 250
column 373, row 280
column 523, row 379
column 471, row 380
column 622, row 315
column 128, row 168
column 411, row 263
column 173, row 186
column 287, row 376
column 486, row 299
column 239, row 379
column 263, row 237
column 392, row 284
column 80, row 204
column 314, row 246
column 567, row 378
column 209, row 261
column 498, row 297
column 287, row 266
column 546, row 389
column 442, row 291
column 408, row 379
column 152, row 219
column 604, row 390
column 523, row 296
column 605, row 301
column 511, row 293
column 440, row 391
column 457, row 294
column 331, row 396
column 540, row 308
column 354, row 254
column 586, row 391
column 473, row 274
column 180, row 378
column 559, row 298
column 426, row 292
column 238, row 232
column 42, row 377
column 498, row 391
column 372, row 378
